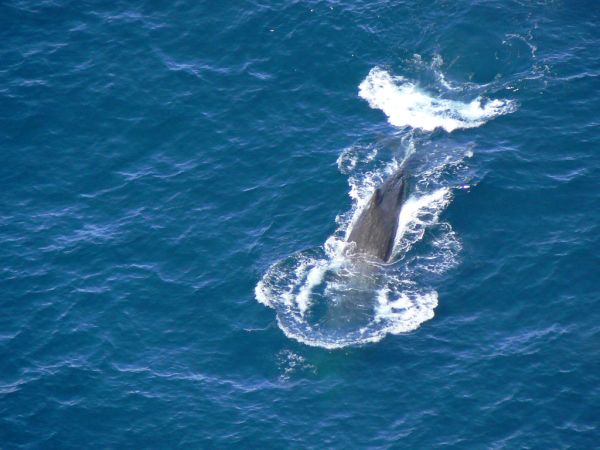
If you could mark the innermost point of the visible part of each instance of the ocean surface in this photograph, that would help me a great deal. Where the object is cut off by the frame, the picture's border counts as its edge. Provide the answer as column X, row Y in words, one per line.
column 178, row 180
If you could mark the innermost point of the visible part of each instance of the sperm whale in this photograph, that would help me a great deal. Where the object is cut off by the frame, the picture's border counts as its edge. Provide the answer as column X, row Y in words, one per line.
column 374, row 231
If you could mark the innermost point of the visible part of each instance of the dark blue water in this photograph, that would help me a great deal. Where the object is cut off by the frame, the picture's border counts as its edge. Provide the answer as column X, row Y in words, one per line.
column 177, row 181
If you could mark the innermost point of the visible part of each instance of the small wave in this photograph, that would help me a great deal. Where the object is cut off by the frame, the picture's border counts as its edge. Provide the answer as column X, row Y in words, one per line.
column 407, row 106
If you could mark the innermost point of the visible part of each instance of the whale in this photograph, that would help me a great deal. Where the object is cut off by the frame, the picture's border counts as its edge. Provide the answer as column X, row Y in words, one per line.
column 374, row 231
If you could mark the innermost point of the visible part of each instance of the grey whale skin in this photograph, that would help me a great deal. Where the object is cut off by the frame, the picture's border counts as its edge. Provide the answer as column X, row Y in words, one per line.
column 375, row 229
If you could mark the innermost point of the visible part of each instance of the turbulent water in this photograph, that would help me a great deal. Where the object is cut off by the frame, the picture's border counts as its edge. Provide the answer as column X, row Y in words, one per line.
column 178, row 184
column 359, row 307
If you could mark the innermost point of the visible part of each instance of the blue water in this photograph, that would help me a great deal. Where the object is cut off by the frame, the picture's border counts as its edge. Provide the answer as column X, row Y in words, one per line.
column 177, row 181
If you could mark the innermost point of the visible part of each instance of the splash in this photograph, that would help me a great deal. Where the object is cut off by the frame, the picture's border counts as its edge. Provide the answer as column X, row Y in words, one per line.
column 406, row 105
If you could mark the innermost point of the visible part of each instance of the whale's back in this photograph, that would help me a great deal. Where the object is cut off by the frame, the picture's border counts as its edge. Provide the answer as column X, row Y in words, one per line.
column 375, row 229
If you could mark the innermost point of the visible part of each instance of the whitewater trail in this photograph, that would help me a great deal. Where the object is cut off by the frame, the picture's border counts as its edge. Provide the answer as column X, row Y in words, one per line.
column 324, row 298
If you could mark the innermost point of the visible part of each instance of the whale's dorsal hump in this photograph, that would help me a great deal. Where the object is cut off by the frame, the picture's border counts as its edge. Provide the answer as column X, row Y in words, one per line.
column 377, row 197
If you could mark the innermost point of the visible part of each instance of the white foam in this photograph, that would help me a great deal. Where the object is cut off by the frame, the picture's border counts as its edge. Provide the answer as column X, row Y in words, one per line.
column 407, row 106
column 416, row 215
column 261, row 293
column 330, row 344
column 406, row 312
column 314, row 277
